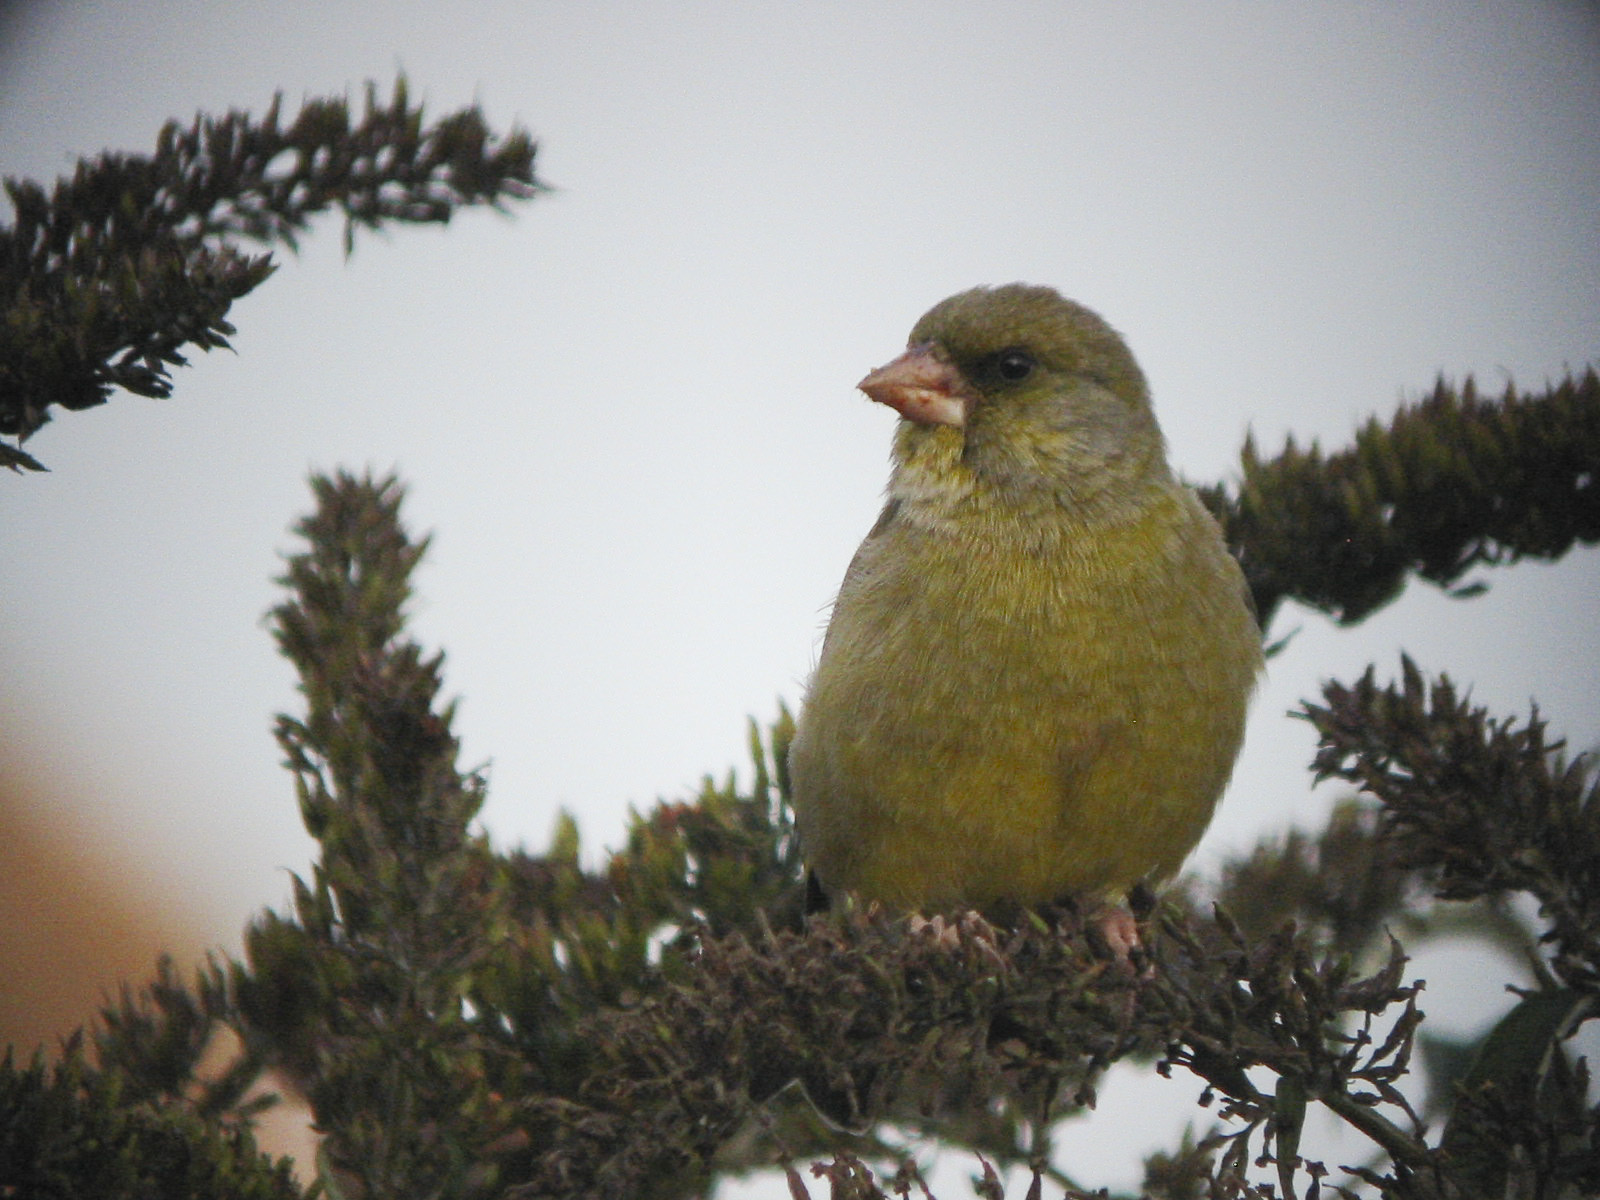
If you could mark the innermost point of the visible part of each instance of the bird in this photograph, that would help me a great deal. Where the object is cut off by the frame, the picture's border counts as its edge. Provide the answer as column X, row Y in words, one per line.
column 1034, row 680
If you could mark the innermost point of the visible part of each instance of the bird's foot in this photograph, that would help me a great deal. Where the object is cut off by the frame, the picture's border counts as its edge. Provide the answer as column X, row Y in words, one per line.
column 947, row 931
column 968, row 928
column 935, row 927
column 1114, row 927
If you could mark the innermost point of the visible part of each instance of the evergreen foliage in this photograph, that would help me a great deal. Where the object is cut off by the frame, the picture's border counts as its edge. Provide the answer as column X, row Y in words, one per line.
column 73, row 1129
column 108, row 277
column 467, row 1022
column 1450, row 482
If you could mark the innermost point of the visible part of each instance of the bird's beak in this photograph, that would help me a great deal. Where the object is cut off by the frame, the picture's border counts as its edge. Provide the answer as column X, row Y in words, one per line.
column 921, row 387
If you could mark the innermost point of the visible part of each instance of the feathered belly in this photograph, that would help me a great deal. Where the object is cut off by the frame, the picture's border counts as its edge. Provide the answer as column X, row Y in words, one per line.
column 1066, row 785
column 1010, row 739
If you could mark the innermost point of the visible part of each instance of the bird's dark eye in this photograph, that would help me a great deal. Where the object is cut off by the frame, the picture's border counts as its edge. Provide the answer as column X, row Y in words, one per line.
column 1014, row 366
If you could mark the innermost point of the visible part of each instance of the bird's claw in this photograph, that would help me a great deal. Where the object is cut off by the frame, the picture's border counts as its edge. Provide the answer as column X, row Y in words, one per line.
column 1114, row 927
column 968, row 928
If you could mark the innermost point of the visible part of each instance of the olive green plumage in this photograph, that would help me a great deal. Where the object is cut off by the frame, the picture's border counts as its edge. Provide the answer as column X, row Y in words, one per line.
column 1035, row 677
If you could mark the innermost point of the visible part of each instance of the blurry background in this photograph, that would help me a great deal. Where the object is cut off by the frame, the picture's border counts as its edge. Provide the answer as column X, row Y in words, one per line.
column 627, row 411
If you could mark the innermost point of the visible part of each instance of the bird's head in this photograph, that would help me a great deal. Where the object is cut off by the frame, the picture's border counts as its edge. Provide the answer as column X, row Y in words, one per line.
column 1017, row 390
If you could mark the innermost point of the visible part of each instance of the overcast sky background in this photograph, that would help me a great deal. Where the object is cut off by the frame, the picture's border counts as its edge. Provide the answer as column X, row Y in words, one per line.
column 627, row 411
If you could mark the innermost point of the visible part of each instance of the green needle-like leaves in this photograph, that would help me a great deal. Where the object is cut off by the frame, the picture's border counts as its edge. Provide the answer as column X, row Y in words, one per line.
column 107, row 279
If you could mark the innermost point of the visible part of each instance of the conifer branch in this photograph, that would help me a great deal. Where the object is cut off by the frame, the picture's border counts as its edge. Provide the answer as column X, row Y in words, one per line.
column 881, row 1024
column 1483, row 806
column 105, row 280
column 1449, row 483
column 81, row 1128
column 361, row 994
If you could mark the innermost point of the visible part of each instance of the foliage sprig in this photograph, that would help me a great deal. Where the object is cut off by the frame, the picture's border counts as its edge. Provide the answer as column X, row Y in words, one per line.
column 1482, row 805
column 109, row 276
column 1453, row 481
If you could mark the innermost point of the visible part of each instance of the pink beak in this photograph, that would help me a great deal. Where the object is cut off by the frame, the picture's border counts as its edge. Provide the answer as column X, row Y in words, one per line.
column 921, row 387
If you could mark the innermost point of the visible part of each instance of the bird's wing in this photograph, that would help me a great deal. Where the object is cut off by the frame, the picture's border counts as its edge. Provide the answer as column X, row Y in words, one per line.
column 885, row 521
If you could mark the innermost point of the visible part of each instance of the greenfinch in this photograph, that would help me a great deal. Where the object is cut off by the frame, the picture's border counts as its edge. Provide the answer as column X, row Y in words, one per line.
column 1033, row 684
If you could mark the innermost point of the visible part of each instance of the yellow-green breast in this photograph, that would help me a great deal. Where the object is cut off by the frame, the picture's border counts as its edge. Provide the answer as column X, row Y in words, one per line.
column 1025, row 692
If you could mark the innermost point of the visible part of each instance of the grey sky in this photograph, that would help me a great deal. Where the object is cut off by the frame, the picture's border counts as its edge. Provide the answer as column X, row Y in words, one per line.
column 627, row 412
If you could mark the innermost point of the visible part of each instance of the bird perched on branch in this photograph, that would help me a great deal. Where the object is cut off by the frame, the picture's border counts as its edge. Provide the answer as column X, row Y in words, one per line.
column 1034, row 681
